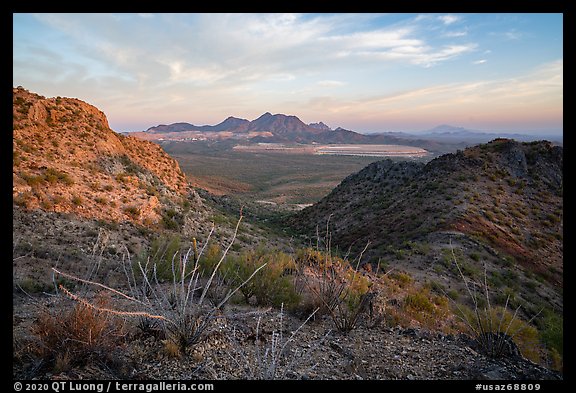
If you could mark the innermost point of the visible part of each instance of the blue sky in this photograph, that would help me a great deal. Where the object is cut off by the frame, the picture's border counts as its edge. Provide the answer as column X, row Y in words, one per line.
column 364, row 72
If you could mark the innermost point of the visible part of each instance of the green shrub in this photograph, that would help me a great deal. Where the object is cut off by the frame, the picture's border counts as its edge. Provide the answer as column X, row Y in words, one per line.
column 209, row 259
column 32, row 286
column 499, row 320
column 101, row 200
column 403, row 279
column 475, row 256
column 172, row 219
column 338, row 288
column 419, row 301
column 273, row 285
column 162, row 250
column 552, row 331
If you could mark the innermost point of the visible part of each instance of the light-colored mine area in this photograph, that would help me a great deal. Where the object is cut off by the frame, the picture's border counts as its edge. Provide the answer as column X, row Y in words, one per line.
column 343, row 150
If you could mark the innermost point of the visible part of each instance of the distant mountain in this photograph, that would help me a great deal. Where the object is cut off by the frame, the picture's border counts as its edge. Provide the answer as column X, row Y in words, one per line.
column 504, row 195
column 452, row 134
column 290, row 127
column 174, row 127
column 231, row 123
column 320, row 126
column 448, row 129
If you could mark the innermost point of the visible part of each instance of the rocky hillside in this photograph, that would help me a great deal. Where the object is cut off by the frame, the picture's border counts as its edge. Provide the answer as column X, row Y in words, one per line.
column 501, row 202
column 67, row 159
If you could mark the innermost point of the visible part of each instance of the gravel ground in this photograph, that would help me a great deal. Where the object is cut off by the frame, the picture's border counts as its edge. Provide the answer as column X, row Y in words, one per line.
column 241, row 342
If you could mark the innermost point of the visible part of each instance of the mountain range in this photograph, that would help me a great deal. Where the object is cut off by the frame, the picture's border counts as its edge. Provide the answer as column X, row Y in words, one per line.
column 448, row 133
column 279, row 128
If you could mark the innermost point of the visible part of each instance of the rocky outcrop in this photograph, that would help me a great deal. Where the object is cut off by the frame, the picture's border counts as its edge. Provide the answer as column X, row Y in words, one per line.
column 67, row 159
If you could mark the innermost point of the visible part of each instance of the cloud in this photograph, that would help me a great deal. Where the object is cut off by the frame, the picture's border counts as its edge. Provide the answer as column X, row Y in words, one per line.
column 513, row 35
column 421, row 55
column 481, row 61
column 455, row 34
column 448, row 19
column 509, row 35
column 330, row 83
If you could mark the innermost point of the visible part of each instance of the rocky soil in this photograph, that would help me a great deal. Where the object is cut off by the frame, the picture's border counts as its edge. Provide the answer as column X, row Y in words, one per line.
column 313, row 351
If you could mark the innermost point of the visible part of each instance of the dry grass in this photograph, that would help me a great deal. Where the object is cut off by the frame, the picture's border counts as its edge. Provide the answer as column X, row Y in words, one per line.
column 74, row 338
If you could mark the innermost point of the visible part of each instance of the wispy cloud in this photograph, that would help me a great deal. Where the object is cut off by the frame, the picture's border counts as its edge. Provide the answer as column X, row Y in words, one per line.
column 509, row 35
column 449, row 19
column 330, row 83
column 454, row 34
column 513, row 35
column 481, row 61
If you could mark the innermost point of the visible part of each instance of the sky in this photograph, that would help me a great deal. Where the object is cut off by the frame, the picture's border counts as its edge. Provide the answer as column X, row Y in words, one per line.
column 362, row 72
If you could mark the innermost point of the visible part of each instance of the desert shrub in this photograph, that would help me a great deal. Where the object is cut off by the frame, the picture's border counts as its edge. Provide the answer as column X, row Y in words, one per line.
column 429, row 310
column 132, row 211
column 211, row 257
column 75, row 337
column 273, row 285
column 31, row 286
column 495, row 327
column 275, row 360
column 475, row 256
column 52, row 175
column 172, row 219
column 403, row 279
column 32, row 180
column 435, row 286
column 101, row 200
column 341, row 290
column 162, row 251
column 552, row 336
column 23, row 199
column 77, row 200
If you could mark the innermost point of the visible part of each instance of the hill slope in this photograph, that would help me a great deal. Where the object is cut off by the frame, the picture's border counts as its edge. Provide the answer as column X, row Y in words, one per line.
column 67, row 159
column 505, row 195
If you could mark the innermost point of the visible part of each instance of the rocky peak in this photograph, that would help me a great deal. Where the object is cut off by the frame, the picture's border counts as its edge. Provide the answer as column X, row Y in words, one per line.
column 320, row 126
column 67, row 159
